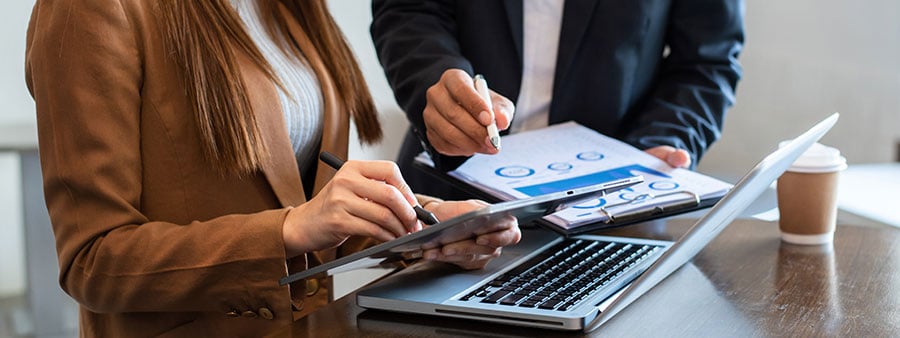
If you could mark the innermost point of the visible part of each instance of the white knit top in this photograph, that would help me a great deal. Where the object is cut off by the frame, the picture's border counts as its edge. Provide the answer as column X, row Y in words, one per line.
column 302, row 103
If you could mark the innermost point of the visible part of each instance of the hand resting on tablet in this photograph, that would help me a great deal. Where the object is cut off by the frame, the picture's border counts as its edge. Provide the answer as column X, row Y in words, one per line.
column 473, row 253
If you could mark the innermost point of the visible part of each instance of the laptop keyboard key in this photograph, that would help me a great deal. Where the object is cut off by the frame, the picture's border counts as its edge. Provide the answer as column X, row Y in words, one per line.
column 550, row 304
column 496, row 296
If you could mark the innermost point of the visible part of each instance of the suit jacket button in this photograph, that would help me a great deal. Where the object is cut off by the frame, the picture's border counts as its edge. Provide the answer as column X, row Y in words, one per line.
column 312, row 286
column 248, row 314
column 265, row 313
column 232, row 314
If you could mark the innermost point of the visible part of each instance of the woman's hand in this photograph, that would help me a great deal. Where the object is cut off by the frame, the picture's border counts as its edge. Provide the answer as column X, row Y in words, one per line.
column 473, row 253
column 365, row 198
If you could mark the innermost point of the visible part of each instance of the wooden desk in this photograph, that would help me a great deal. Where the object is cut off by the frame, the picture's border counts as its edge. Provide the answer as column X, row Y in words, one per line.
column 745, row 283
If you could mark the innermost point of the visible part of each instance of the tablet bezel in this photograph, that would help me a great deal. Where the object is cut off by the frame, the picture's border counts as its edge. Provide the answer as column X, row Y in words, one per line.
column 461, row 227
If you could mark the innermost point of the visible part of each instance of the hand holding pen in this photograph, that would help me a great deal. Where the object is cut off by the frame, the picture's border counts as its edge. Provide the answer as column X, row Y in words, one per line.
column 468, row 253
column 364, row 198
column 423, row 215
column 458, row 116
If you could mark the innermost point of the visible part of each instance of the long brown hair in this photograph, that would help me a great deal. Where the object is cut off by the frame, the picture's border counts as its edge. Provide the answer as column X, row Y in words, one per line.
column 204, row 36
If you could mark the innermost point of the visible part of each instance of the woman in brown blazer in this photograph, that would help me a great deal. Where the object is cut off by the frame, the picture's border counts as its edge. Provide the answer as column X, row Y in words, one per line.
column 178, row 187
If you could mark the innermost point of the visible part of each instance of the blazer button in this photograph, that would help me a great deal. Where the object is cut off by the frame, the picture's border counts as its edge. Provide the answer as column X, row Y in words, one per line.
column 265, row 313
column 312, row 286
column 248, row 314
column 232, row 314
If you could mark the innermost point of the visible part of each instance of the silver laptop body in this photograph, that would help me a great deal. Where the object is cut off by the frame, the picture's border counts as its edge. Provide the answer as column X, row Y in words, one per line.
column 445, row 290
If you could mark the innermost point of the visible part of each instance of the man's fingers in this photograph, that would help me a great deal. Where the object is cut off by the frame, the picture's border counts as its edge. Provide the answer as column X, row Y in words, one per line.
column 448, row 139
column 679, row 159
column 461, row 88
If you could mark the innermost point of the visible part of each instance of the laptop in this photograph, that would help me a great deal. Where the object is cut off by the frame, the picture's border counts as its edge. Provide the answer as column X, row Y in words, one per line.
column 571, row 283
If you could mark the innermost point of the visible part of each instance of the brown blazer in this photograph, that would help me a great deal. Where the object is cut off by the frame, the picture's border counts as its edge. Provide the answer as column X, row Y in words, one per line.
column 151, row 240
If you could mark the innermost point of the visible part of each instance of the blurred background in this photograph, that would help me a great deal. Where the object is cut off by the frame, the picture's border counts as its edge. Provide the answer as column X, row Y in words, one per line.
column 803, row 60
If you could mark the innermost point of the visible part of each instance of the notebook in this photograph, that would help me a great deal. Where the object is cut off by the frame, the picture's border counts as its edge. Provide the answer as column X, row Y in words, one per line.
column 571, row 283
column 569, row 155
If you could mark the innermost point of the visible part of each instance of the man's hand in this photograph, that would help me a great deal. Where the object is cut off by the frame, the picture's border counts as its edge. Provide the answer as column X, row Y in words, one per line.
column 456, row 117
column 676, row 158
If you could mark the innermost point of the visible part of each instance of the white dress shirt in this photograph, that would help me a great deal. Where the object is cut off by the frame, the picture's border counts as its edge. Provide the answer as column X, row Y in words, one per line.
column 541, row 25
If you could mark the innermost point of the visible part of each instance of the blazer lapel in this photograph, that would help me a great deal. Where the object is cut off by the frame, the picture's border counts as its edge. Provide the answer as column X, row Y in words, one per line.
column 280, row 169
column 577, row 16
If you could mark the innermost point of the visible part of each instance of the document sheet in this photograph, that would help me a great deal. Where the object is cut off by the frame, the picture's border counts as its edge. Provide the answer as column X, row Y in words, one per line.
column 569, row 155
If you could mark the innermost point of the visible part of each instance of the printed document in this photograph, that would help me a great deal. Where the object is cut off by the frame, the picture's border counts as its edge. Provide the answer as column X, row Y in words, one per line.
column 569, row 155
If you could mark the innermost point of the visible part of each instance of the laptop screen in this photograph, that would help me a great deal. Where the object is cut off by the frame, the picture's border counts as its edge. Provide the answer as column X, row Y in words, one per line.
column 707, row 228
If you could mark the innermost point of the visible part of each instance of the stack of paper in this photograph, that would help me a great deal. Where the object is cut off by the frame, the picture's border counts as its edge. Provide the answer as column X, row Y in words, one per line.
column 567, row 156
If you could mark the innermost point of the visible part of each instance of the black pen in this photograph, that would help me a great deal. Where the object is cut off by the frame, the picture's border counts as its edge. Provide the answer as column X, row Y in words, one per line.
column 335, row 162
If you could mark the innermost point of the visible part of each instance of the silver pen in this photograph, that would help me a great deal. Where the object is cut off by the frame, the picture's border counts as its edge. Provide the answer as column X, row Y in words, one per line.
column 482, row 88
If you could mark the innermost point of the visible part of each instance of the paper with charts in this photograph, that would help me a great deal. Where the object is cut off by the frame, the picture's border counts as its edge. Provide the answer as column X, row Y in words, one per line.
column 569, row 155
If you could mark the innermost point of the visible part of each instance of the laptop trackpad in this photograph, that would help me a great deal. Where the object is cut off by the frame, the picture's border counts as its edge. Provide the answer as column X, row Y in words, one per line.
column 435, row 282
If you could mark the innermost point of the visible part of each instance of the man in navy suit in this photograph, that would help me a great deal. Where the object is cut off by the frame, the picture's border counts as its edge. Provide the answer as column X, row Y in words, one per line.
column 657, row 74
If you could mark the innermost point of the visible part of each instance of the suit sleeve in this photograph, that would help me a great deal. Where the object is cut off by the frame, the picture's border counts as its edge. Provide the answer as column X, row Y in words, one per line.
column 416, row 42
column 697, row 81
column 84, row 70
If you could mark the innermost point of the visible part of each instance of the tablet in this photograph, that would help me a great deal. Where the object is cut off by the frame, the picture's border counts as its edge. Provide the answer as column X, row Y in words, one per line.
column 461, row 227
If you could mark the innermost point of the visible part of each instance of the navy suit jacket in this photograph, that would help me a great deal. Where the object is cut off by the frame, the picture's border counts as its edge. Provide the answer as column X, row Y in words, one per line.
column 648, row 72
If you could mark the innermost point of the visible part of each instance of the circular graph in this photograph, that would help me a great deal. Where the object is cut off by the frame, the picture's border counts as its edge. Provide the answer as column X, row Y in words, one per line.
column 664, row 185
column 632, row 196
column 590, row 156
column 514, row 171
column 559, row 166
column 591, row 204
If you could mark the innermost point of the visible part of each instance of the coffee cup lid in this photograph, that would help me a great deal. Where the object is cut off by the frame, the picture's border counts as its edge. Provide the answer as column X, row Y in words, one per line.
column 818, row 158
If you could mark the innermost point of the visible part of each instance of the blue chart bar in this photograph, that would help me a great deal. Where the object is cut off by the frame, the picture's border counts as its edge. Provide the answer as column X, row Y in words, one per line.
column 586, row 180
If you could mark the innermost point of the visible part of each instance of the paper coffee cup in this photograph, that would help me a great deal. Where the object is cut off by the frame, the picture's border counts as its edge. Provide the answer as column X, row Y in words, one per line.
column 807, row 196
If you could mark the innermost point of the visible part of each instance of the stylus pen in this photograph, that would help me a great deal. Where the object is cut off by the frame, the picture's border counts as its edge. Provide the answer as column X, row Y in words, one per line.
column 335, row 162
column 482, row 88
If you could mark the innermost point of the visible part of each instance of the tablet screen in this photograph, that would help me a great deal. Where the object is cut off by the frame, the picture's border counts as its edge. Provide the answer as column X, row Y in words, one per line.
column 462, row 227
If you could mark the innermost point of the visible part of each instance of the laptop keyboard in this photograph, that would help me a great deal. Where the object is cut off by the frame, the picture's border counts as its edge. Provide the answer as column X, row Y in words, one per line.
column 562, row 276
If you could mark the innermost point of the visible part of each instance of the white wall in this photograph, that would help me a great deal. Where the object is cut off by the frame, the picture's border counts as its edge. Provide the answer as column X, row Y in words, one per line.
column 12, row 243
column 16, row 109
column 805, row 59
column 16, row 106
